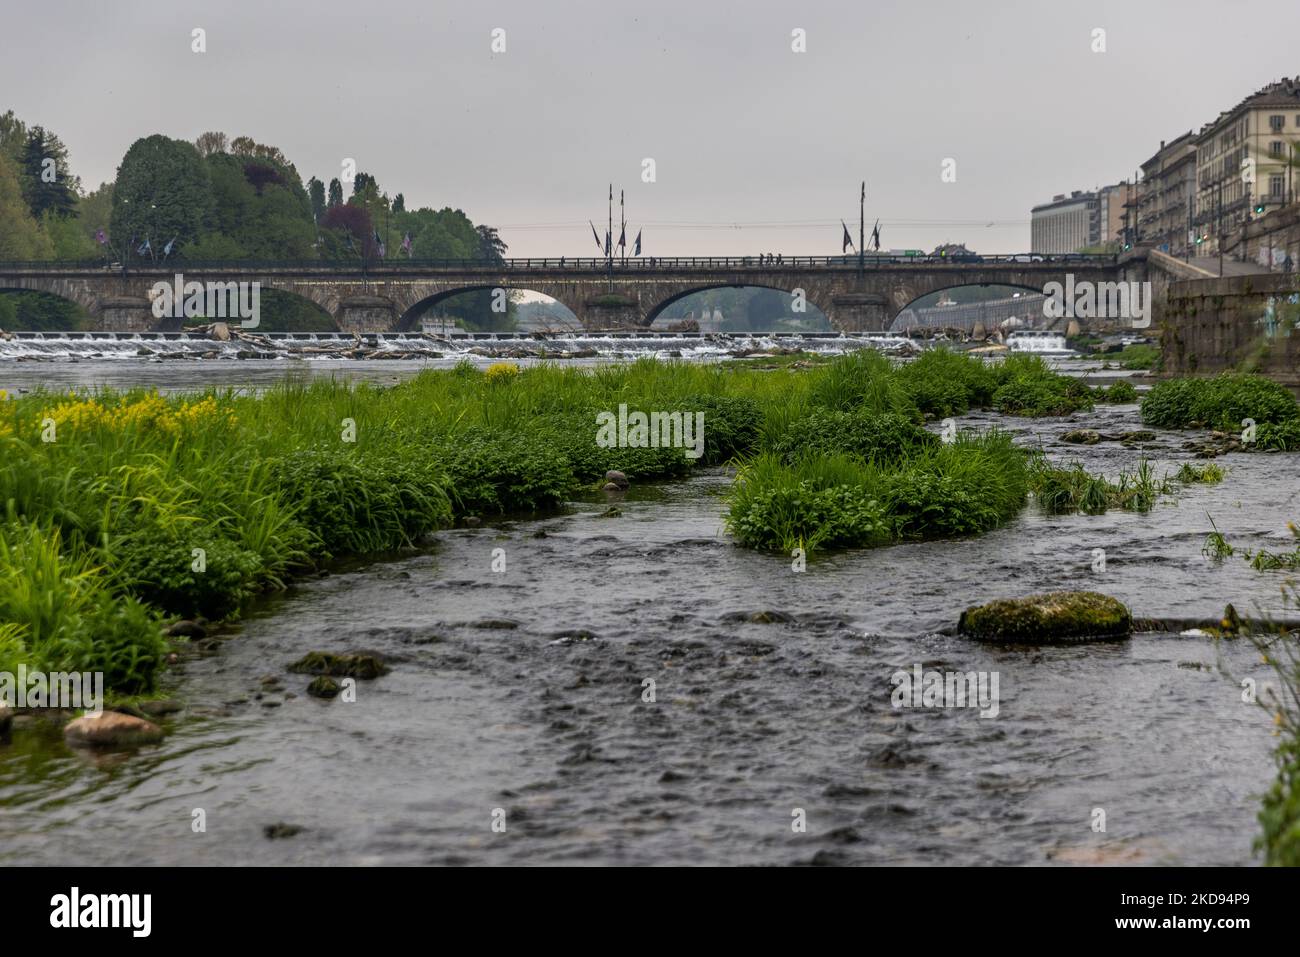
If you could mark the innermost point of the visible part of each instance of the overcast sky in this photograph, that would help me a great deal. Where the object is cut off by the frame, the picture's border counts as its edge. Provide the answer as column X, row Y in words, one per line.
column 757, row 148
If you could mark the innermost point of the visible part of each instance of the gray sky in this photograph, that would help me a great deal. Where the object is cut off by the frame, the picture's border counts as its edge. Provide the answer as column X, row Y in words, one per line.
column 742, row 130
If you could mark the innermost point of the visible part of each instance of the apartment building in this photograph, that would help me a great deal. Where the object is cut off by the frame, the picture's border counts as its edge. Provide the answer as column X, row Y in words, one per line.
column 1166, row 196
column 1066, row 224
column 1244, row 165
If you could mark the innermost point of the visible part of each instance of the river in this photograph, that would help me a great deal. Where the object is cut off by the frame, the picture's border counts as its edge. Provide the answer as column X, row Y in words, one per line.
column 520, row 693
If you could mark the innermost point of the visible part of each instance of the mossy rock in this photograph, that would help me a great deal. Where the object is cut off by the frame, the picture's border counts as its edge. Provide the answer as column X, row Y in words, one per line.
column 339, row 666
column 1059, row 617
column 323, row 686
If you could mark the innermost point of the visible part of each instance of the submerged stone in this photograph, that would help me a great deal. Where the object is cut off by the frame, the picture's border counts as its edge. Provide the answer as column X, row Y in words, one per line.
column 365, row 667
column 1082, row 437
column 323, row 686
column 112, row 729
column 1060, row 617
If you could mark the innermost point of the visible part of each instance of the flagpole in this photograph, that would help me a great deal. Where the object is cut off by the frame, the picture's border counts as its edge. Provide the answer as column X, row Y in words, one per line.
column 622, row 228
column 609, row 251
column 862, row 225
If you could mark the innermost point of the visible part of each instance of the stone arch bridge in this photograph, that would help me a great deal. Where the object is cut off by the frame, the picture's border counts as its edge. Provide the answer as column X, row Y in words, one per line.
column 855, row 295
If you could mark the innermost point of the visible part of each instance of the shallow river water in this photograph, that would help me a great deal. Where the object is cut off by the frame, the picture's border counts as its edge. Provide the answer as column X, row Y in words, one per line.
column 518, row 696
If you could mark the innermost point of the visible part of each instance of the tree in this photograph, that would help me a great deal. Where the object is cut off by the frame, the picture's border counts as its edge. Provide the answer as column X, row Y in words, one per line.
column 209, row 143
column 163, row 192
column 399, row 204
column 259, row 211
column 21, row 237
column 362, row 182
column 13, row 136
column 336, row 193
column 491, row 248
column 347, row 232
column 48, row 183
column 316, row 193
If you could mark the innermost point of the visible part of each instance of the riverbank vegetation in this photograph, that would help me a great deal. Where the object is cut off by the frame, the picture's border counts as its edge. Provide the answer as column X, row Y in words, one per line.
column 123, row 510
column 1231, row 402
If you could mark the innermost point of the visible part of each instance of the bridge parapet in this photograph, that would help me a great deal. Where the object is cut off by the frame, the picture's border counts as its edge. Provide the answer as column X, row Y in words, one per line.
column 376, row 297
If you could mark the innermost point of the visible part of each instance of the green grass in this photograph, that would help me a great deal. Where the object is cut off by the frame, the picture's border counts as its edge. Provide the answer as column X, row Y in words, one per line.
column 1071, row 488
column 1138, row 356
column 124, row 509
column 1222, row 402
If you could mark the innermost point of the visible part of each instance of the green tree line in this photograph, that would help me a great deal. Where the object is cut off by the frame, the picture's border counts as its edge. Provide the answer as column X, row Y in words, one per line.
column 214, row 199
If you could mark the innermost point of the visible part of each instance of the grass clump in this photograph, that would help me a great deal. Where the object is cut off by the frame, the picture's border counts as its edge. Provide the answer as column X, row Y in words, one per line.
column 1138, row 356
column 1061, row 489
column 1221, row 402
column 1119, row 392
column 873, row 436
column 834, row 500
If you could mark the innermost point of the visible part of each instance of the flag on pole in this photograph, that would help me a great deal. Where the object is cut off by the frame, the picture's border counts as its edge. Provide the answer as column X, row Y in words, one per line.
column 594, row 235
column 637, row 249
column 406, row 243
column 875, row 236
column 608, row 239
column 101, row 237
column 848, row 240
column 143, row 248
column 167, row 250
column 622, row 237
column 379, row 244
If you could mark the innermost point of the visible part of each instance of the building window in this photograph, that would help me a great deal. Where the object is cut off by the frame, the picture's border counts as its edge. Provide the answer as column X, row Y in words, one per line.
column 1275, row 148
column 1276, row 183
column 1276, row 122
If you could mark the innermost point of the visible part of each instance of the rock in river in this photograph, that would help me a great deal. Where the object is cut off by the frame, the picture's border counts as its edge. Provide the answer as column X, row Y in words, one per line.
column 615, row 477
column 1082, row 437
column 365, row 667
column 1059, row 617
column 112, row 729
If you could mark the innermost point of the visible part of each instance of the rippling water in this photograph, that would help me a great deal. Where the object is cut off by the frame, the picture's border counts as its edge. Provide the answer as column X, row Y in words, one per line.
column 523, row 690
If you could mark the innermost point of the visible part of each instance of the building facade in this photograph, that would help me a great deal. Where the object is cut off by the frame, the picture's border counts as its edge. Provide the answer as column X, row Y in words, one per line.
column 1113, row 202
column 1245, row 162
column 1166, row 197
column 1066, row 224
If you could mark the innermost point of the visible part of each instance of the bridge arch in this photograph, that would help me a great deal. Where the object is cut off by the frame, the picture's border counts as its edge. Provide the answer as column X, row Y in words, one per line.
column 987, row 312
column 66, row 319
column 422, row 301
column 677, row 295
column 77, row 293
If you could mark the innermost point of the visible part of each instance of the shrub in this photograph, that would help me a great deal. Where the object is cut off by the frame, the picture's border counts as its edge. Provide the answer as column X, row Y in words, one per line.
column 494, row 473
column 159, row 566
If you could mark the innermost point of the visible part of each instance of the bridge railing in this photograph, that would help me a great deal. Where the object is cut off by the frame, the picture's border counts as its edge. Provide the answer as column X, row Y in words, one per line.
column 562, row 264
